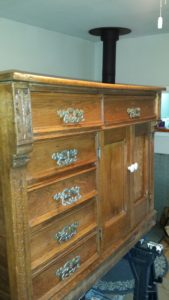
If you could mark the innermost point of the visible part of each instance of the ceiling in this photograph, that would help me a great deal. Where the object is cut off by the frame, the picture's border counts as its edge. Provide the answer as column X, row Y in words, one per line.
column 77, row 17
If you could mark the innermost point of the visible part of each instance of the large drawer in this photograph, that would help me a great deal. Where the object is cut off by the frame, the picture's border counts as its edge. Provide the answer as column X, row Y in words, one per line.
column 62, row 111
column 58, row 195
column 58, row 155
column 65, row 269
column 52, row 238
column 124, row 108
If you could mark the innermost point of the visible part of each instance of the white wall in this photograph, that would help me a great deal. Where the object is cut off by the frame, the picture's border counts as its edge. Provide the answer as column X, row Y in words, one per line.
column 143, row 60
column 34, row 49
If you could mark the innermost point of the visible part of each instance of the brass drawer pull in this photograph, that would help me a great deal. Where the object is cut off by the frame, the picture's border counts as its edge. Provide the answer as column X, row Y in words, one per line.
column 68, row 196
column 65, row 157
column 67, row 232
column 71, row 115
column 69, row 268
column 134, row 112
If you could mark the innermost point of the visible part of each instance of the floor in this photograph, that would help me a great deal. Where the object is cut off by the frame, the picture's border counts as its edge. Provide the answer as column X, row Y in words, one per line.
column 163, row 288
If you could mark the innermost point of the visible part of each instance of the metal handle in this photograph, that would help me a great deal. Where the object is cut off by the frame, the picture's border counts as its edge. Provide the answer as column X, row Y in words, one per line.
column 67, row 232
column 69, row 268
column 68, row 196
column 133, row 167
column 71, row 115
column 134, row 112
column 65, row 157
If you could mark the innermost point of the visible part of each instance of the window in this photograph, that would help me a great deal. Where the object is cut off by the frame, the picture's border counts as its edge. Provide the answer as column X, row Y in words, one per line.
column 165, row 108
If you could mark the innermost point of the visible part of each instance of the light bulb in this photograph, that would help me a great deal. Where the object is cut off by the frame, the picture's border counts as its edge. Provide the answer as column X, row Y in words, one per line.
column 160, row 22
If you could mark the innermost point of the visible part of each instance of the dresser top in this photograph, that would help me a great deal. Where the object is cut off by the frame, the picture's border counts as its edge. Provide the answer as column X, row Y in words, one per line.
column 15, row 75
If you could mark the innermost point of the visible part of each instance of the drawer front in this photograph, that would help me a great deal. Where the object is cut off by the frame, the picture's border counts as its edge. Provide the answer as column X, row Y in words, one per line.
column 118, row 109
column 59, row 155
column 64, row 111
column 60, row 233
column 65, row 270
column 60, row 195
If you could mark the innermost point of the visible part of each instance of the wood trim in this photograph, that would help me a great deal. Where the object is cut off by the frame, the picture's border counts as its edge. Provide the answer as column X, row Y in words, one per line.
column 14, row 198
column 45, row 79
column 161, row 129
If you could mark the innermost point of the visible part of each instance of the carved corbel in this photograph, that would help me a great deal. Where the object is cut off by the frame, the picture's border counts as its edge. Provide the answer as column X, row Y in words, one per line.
column 23, row 124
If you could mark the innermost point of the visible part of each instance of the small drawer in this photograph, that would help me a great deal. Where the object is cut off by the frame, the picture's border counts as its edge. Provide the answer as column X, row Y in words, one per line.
column 65, row 269
column 62, row 111
column 60, row 195
column 119, row 109
column 58, row 155
column 53, row 237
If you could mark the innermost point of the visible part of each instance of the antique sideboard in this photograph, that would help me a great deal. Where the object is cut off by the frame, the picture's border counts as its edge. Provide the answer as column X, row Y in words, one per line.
column 76, row 181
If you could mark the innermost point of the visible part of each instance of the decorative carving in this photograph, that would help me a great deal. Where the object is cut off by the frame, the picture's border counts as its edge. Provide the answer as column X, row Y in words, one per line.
column 20, row 160
column 23, row 119
column 69, row 267
column 23, row 125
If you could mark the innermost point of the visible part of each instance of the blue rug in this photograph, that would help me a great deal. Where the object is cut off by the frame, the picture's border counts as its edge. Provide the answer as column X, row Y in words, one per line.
column 119, row 280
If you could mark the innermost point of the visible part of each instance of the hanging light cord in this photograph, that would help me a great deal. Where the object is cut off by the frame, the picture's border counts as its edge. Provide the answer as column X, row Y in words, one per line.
column 160, row 18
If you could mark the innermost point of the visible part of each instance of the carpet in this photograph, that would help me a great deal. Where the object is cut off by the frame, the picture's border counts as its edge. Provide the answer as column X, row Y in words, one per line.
column 119, row 280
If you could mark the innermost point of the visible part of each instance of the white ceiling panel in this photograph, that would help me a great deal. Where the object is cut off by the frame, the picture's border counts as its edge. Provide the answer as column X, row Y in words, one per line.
column 76, row 17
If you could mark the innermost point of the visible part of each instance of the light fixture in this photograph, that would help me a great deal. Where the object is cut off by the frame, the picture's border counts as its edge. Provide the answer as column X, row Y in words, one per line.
column 160, row 18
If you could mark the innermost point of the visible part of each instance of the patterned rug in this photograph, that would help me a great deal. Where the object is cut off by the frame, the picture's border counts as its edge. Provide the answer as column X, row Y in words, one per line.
column 119, row 280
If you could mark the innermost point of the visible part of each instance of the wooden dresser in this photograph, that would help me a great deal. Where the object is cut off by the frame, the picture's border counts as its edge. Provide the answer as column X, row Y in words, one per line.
column 76, row 181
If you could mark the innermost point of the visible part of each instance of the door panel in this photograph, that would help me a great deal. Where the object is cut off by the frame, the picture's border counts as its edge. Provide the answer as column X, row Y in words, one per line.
column 139, row 176
column 141, row 155
column 115, row 202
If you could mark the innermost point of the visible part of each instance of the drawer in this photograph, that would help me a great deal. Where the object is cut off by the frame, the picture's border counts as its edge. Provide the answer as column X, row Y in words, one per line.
column 119, row 109
column 59, row 233
column 60, row 195
column 65, row 269
column 58, row 155
column 62, row 111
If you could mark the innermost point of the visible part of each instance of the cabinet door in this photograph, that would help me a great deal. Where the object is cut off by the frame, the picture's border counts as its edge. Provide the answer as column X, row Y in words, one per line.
column 141, row 177
column 115, row 204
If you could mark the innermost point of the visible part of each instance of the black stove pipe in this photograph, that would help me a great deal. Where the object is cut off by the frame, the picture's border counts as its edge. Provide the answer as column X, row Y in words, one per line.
column 109, row 37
